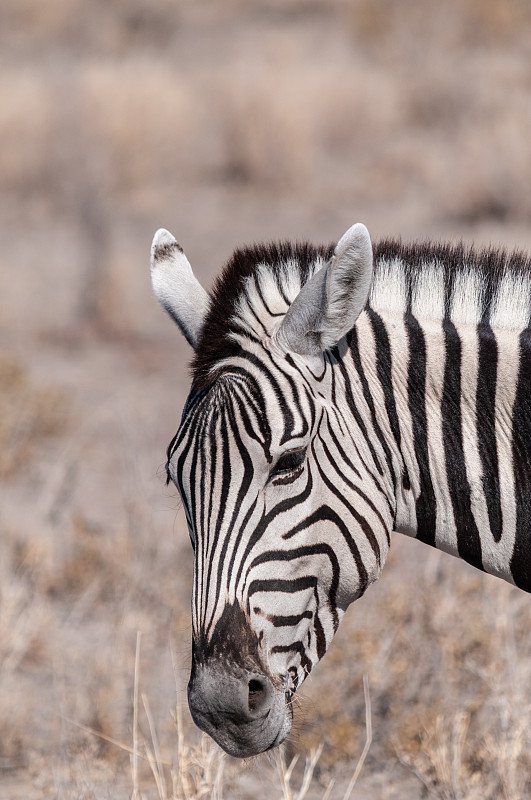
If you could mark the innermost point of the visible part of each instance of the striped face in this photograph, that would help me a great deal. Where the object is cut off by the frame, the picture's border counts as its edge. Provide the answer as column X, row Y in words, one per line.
column 263, row 447
column 280, row 550
column 257, row 461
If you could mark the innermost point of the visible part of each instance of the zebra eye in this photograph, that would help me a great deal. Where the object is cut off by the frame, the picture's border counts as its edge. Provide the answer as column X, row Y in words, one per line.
column 288, row 466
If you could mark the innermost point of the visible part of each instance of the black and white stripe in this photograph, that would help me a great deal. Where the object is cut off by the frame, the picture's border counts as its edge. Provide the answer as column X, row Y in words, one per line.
column 295, row 464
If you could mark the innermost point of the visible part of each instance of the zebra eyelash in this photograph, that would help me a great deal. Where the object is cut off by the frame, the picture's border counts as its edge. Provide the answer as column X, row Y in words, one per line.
column 288, row 467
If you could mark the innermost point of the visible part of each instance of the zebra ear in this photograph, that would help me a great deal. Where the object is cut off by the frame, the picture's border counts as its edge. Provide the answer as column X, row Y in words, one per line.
column 176, row 287
column 327, row 307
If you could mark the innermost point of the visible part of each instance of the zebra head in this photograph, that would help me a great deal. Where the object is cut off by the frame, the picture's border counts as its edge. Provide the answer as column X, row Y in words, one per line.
column 275, row 473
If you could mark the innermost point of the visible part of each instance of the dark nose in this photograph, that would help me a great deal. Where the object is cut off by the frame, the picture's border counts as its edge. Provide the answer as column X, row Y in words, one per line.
column 240, row 709
column 240, row 698
column 258, row 695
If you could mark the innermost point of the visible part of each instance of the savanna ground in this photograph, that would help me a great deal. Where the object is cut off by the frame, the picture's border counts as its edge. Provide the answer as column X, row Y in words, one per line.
column 228, row 122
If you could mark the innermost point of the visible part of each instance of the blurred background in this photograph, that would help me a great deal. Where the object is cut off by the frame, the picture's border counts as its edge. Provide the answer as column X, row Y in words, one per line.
column 228, row 122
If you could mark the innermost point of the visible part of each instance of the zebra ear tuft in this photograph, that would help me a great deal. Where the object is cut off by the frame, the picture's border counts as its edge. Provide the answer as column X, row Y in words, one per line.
column 327, row 307
column 175, row 286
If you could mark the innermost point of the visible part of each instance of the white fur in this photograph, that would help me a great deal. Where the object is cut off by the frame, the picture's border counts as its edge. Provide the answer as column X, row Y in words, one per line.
column 511, row 307
column 291, row 279
column 467, row 298
column 269, row 288
column 497, row 556
column 176, row 287
column 427, row 299
column 389, row 291
column 469, row 419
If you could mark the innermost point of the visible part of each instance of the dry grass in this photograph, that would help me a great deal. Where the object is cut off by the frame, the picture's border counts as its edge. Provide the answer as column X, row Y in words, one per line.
column 28, row 413
column 228, row 121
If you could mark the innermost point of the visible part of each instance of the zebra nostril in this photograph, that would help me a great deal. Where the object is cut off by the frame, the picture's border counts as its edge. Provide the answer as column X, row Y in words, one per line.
column 258, row 694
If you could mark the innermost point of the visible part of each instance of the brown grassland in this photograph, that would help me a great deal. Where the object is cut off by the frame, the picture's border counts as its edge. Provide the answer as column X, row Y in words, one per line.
column 228, row 122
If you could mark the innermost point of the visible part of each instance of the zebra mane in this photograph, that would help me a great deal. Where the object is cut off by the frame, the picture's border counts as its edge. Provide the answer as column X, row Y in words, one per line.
column 262, row 278
column 427, row 279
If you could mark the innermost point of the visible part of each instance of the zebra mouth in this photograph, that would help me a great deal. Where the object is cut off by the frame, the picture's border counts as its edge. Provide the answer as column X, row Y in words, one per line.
column 243, row 711
column 279, row 738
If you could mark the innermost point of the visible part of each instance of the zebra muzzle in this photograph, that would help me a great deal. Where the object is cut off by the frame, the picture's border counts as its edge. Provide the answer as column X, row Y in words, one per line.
column 240, row 709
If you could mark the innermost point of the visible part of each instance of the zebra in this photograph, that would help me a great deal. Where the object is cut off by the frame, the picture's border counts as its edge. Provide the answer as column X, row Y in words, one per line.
column 339, row 393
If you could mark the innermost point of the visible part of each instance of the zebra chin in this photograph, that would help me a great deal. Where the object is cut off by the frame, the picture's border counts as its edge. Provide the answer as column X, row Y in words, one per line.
column 240, row 709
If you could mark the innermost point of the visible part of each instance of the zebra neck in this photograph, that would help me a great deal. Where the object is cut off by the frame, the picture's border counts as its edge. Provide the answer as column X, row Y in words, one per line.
column 448, row 399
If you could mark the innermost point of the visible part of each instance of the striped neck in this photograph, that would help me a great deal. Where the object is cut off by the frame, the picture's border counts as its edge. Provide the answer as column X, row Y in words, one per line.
column 454, row 369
